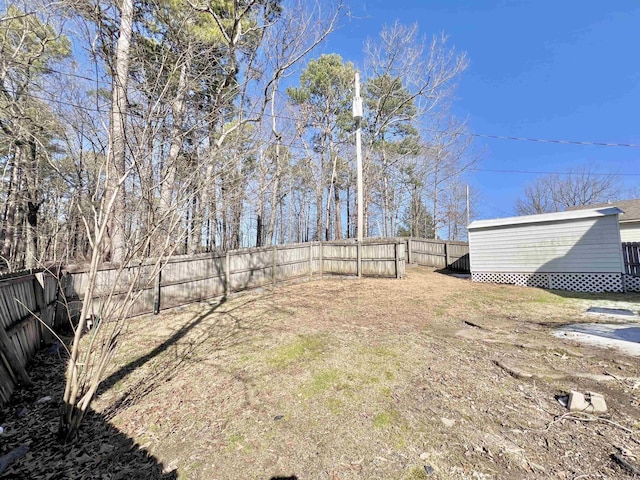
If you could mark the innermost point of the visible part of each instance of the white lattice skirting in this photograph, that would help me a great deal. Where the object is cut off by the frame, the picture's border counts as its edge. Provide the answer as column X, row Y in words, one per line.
column 574, row 282
column 631, row 283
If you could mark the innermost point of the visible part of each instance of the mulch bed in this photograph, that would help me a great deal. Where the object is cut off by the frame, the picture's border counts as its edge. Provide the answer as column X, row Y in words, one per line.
column 100, row 451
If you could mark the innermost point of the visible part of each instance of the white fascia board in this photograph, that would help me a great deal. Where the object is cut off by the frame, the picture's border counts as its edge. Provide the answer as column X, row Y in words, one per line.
column 545, row 217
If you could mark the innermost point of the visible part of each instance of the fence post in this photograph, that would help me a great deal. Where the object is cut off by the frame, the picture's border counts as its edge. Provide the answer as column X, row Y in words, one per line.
column 409, row 257
column 446, row 254
column 41, row 304
column 273, row 265
column 227, row 274
column 359, row 259
column 310, row 259
column 397, row 257
column 156, row 292
column 321, row 260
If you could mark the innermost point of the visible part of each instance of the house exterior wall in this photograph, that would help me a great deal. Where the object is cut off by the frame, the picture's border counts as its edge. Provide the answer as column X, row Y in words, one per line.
column 582, row 245
column 630, row 232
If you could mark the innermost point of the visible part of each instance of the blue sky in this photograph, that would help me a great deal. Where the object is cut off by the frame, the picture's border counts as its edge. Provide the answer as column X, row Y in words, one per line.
column 566, row 70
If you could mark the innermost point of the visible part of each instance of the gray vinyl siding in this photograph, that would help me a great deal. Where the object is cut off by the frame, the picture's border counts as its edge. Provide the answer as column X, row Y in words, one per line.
column 584, row 245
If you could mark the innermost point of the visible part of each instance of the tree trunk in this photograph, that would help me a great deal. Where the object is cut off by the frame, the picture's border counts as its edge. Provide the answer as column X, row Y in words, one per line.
column 275, row 188
column 319, row 210
column 209, row 198
column 31, row 251
column 259, row 230
column 195, row 229
column 385, row 193
column 167, row 209
column 338, row 223
column 349, row 219
column 9, row 220
column 33, row 206
column 281, row 238
column 117, row 139
column 236, row 218
column 435, row 203
column 290, row 215
column 332, row 182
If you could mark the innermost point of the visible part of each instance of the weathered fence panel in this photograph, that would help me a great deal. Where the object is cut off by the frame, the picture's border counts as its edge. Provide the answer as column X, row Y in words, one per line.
column 383, row 259
column 428, row 252
column 631, row 256
column 188, row 279
column 380, row 258
column 438, row 253
column 340, row 258
column 27, row 307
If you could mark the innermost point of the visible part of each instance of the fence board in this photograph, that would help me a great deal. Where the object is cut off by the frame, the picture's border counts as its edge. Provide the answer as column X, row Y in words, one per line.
column 7, row 380
column 631, row 256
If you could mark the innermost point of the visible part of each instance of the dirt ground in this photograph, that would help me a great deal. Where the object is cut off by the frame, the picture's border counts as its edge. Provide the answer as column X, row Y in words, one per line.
column 426, row 377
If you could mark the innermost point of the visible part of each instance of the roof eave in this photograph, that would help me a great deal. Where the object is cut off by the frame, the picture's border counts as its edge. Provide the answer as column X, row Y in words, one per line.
column 545, row 218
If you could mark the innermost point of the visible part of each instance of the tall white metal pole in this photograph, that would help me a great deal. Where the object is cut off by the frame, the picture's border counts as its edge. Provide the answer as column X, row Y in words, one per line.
column 357, row 115
column 468, row 215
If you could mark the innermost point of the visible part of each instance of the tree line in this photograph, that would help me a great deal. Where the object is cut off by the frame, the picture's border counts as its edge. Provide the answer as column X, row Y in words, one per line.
column 138, row 128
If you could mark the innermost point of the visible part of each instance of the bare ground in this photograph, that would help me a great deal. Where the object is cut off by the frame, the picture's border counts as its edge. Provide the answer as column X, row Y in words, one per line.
column 426, row 377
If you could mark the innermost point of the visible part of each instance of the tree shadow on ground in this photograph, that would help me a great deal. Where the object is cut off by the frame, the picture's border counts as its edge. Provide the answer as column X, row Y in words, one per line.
column 100, row 451
column 214, row 327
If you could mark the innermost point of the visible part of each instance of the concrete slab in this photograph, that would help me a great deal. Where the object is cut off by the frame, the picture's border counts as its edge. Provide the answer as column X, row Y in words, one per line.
column 624, row 337
column 622, row 313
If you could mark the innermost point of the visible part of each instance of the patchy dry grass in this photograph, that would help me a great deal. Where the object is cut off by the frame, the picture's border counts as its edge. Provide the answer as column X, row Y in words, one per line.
column 364, row 379
column 305, row 348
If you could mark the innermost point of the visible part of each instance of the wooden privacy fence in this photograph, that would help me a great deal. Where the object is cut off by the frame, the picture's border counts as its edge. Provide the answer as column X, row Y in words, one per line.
column 27, row 301
column 181, row 280
column 631, row 256
column 189, row 279
column 438, row 253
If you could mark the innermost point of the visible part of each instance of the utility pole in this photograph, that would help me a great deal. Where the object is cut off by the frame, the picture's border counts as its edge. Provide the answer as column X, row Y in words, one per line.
column 357, row 115
column 468, row 216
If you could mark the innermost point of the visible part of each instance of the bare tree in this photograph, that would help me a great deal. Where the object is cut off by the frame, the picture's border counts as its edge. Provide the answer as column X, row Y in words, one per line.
column 454, row 205
column 32, row 43
column 154, row 153
column 301, row 30
column 410, row 79
column 557, row 192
